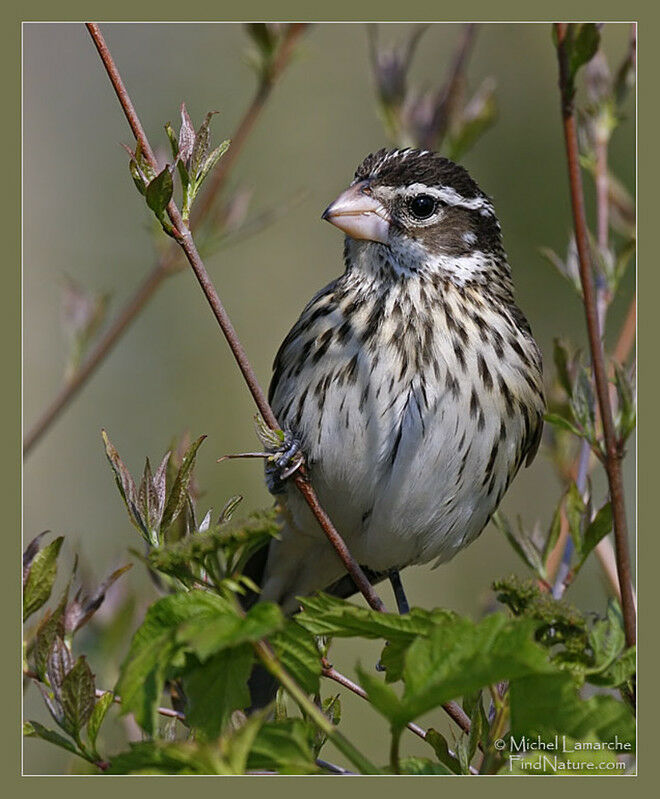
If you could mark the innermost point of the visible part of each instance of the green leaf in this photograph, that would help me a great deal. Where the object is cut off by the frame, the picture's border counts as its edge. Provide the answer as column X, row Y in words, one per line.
column 595, row 532
column 159, row 192
column 607, row 640
column 583, row 403
column 40, row 578
column 200, row 148
column 461, row 657
column 77, row 695
column 218, row 687
column 326, row 615
column 549, row 704
column 32, row 729
column 153, row 648
column 562, row 423
column 162, row 757
column 103, row 704
column 171, row 135
column 626, row 416
column 618, row 673
column 562, row 360
column 441, row 749
column 212, row 160
column 297, row 651
column 206, row 636
column 521, row 542
column 125, row 484
column 283, row 746
column 384, row 699
column 51, row 627
column 179, row 492
column 575, row 511
column 553, row 535
column 422, row 765
column 584, row 47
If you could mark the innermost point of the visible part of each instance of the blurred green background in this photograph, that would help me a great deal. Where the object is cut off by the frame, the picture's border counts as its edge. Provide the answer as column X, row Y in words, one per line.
column 172, row 371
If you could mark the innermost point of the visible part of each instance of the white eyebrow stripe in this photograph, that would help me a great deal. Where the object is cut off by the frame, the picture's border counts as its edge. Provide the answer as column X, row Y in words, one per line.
column 449, row 196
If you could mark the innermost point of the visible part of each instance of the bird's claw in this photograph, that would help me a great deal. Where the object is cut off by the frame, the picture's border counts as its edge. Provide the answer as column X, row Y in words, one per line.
column 283, row 463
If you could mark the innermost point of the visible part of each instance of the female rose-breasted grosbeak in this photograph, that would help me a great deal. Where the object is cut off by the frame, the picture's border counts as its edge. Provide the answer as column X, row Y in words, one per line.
column 411, row 383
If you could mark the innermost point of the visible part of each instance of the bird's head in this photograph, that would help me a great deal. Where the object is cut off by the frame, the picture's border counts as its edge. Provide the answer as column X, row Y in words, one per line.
column 426, row 210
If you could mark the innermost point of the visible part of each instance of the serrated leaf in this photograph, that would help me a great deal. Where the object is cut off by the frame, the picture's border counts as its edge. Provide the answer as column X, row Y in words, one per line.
column 29, row 553
column 236, row 748
column 441, row 749
column 200, row 149
column 77, row 694
column 421, row 765
column 549, row 704
column 599, row 527
column 384, row 699
column 40, row 578
column 299, row 654
column 520, row 542
column 137, row 176
column 583, row 402
column 159, row 192
column 124, row 482
column 575, row 511
column 153, row 648
column 81, row 610
column 35, row 730
column 607, row 639
column 218, row 687
column 178, row 495
column 225, row 629
column 326, row 615
column 186, row 136
column 283, row 747
column 162, row 757
column 626, row 415
column 212, row 159
column 461, row 657
column 60, row 662
column 562, row 423
column 618, row 673
column 103, row 704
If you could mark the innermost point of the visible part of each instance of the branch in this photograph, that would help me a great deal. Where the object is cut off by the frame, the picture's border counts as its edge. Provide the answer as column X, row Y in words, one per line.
column 166, row 264
column 184, row 238
column 613, row 454
column 452, row 709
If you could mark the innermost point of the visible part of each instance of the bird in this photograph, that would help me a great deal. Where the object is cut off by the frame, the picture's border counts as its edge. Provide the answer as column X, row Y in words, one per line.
column 411, row 384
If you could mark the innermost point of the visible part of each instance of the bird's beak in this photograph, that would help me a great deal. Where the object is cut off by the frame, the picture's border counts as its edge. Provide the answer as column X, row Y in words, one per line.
column 358, row 214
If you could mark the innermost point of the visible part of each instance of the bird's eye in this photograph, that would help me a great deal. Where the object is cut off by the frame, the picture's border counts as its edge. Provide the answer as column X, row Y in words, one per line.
column 422, row 206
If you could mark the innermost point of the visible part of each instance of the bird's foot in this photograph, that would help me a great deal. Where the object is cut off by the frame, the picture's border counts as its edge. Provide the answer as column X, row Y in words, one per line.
column 283, row 462
column 399, row 594
column 401, row 602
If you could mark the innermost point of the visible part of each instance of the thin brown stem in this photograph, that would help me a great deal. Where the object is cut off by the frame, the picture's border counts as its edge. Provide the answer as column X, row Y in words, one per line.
column 166, row 264
column 613, row 453
column 184, row 238
column 453, row 710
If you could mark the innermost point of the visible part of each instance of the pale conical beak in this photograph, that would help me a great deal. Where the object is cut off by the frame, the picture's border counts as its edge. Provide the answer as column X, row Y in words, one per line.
column 359, row 215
